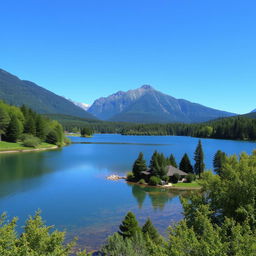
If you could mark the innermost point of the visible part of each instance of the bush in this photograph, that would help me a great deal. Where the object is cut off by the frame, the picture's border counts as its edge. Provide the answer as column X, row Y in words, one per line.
column 67, row 141
column 175, row 178
column 130, row 176
column 29, row 140
column 190, row 178
column 142, row 181
column 154, row 181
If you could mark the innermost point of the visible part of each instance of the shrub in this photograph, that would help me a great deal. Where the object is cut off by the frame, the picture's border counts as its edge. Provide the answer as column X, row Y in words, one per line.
column 154, row 181
column 190, row 177
column 29, row 140
column 175, row 178
column 142, row 181
column 130, row 176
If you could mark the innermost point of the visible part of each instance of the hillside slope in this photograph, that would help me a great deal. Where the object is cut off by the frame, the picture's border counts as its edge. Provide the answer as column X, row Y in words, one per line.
column 17, row 92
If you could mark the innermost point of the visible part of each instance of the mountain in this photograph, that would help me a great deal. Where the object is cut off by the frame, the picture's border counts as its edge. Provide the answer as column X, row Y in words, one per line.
column 81, row 105
column 253, row 111
column 17, row 92
column 147, row 105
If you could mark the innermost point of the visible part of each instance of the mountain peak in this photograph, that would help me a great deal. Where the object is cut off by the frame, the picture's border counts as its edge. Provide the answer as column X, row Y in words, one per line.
column 147, row 87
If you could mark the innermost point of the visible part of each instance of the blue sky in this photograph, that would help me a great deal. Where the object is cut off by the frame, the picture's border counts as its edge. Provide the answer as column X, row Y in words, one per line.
column 202, row 51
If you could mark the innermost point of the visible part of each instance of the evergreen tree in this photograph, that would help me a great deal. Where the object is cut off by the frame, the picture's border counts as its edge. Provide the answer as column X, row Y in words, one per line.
column 129, row 226
column 14, row 130
column 149, row 229
column 218, row 161
column 154, row 165
column 30, row 125
column 4, row 121
column 173, row 161
column 199, row 160
column 40, row 127
column 52, row 137
column 185, row 164
column 139, row 166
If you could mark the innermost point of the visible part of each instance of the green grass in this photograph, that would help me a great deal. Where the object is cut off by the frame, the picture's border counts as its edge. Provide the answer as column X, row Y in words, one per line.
column 187, row 185
column 9, row 146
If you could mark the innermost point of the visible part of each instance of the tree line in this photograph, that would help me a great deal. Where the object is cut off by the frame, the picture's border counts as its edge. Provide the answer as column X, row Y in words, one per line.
column 23, row 124
column 235, row 128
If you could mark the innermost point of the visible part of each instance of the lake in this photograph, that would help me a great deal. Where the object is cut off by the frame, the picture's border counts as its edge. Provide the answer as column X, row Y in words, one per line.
column 69, row 185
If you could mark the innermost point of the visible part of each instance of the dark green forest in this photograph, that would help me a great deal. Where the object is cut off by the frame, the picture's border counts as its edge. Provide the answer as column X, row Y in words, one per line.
column 21, row 124
column 235, row 128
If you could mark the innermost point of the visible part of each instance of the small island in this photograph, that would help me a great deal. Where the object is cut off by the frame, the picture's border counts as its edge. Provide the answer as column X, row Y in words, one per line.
column 165, row 172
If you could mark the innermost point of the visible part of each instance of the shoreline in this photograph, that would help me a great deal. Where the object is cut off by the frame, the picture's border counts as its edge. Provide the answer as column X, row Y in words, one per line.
column 27, row 150
column 165, row 186
column 115, row 177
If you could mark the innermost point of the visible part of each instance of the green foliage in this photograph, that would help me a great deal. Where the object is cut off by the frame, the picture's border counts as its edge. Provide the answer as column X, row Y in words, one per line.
column 185, row 164
column 14, row 130
column 218, row 161
column 4, row 119
column 142, row 181
column 173, row 161
column 29, row 140
column 37, row 239
column 86, row 131
column 190, row 177
column 158, row 165
column 14, row 121
column 149, row 230
column 139, row 166
column 154, row 181
column 129, row 226
column 199, row 159
column 130, row 176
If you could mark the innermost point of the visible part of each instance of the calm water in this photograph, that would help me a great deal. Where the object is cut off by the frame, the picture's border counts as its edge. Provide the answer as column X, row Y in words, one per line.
column 70, row 186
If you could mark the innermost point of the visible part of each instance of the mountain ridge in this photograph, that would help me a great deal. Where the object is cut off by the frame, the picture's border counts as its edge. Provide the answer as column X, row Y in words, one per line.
column 17, row 92
column 146, row 104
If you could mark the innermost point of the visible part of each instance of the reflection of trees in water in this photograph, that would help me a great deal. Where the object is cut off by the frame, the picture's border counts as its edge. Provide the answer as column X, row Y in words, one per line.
column 139, row 194
column 17, row 168
column 158, row 196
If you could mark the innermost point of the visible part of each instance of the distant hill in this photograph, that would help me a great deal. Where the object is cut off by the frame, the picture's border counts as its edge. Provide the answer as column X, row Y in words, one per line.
column 147, row 105
column 250, row 115
column 17, row 92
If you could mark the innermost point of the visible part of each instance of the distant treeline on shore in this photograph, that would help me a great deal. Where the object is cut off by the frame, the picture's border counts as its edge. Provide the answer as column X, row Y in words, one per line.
column 234, row 128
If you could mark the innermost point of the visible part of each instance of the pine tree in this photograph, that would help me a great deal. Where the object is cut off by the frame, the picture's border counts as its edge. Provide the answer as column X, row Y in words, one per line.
column 40, row 127
column 173, row 161
column 129, row 226
column 139, row 166
column 154, row 165
column 30, row 125
column 218, row 161
column 149, row 229
column 185, row 164
column 199, row 160
column 14, row 130
column 4, row 121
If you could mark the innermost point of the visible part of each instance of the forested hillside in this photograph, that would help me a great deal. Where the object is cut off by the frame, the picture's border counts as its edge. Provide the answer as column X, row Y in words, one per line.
column 24, row 125
column 17, row 92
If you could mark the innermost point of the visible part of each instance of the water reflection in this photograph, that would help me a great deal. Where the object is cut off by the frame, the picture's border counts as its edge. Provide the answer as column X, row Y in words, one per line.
column 21, row 167
column 159, row 197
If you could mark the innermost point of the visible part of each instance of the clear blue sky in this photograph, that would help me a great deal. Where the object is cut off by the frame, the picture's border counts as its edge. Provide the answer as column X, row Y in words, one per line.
column 200, row 50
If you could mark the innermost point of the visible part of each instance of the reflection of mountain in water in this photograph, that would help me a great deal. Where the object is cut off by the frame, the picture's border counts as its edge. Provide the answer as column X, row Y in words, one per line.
column 158, row 196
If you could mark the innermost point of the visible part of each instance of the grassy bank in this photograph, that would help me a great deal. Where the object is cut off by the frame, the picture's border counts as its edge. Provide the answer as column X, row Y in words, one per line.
column 187, row 185
column 9, row 146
